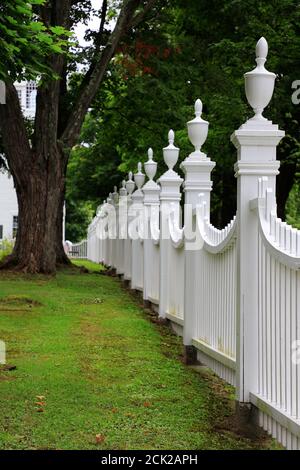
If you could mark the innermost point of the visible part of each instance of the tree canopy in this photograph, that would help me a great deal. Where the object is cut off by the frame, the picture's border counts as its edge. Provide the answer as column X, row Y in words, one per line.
column 193, row 49
column 25, row 41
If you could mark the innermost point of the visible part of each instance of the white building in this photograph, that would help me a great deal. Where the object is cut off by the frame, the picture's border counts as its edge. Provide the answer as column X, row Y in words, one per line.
column 8, row 199
column 8, row 207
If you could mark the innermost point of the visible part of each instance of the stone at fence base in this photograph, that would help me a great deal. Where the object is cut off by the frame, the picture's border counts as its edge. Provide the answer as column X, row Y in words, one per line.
column 190, row 355
column 111, row 272
column 126, row 283
column 246, row 420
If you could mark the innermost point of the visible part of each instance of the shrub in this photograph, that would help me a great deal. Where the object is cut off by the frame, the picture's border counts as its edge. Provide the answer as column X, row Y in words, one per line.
column 6, row 247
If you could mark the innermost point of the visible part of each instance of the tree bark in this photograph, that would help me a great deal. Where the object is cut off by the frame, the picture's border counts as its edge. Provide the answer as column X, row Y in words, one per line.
column 38, row 245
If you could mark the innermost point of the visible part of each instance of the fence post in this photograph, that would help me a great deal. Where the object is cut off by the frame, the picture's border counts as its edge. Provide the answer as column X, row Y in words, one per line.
column 256, row 142
column 151, row 192
column 197, row 168
column 110, row 231
column 122, row 227
column 137, row 205
column 170, row 197
column 130, row 185
column 114, row 239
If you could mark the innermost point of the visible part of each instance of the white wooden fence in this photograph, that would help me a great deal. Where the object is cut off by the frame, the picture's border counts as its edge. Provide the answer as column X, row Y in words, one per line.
column 77, row 250
column 233, row 294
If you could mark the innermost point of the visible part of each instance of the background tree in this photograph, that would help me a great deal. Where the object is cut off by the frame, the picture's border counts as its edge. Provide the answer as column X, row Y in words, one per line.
column 193, row 52
column 38, row 162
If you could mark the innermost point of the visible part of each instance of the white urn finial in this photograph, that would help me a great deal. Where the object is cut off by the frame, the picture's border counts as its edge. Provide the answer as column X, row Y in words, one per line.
column 115, row 195
column 130, row 184
column 198, row 130
column 171, row 153
column 259, row 83
column 123, row 190
column 150, row 165
column 139, row 177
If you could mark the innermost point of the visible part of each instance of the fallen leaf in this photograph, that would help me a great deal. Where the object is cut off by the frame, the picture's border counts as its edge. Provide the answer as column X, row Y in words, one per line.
column 99, row 438
column 147, row 404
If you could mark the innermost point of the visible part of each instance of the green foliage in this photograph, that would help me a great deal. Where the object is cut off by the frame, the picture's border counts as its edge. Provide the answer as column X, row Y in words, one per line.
column 25, row 42
column 89, row 363
column 293, row 205
column 78, row 216
column 6, row 247
column 194, row 49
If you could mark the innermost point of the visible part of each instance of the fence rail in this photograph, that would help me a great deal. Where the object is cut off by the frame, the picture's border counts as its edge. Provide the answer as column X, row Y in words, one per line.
column 233, row 294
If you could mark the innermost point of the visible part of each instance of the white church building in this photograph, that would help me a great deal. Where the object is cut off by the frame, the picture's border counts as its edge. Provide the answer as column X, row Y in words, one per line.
column 8, row 198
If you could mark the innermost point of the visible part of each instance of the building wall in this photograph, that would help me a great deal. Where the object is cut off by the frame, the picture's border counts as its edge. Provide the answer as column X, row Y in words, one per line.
column 8, row 205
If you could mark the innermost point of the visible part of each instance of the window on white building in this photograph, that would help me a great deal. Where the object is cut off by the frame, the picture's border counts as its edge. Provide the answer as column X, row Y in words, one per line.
column 30, row 94
column 1, row 232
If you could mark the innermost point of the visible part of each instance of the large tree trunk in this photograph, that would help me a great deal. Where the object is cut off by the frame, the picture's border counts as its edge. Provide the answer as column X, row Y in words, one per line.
column 40, row 191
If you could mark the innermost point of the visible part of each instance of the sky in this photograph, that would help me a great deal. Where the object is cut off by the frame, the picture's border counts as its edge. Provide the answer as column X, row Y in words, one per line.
column 93, row 24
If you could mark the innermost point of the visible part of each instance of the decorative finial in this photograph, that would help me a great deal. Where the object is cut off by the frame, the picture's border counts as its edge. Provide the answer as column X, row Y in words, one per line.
column 150, row 165
column 198, row 130
column 115, row 195
column 259, row 83
column 171, row 153
column 262, row 49
column 139, row 177
column 130, row 184
column 123, row 191
column 171, row 137
column 198, row 108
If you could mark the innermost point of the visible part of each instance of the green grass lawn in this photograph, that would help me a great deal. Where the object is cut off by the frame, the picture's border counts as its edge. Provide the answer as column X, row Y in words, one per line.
column 106, row 377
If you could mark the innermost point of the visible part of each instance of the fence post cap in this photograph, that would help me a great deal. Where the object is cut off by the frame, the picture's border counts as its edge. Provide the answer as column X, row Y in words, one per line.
column 197, row 131
column 150, row 166
column 259, row 84
column 139, row 177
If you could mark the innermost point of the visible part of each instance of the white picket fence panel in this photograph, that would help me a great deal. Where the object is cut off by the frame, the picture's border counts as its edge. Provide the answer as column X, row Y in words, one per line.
column 233, row 294
column 80, row 250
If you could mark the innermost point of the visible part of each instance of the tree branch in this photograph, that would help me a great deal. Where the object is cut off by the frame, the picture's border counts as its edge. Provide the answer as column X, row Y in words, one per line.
column 139, row 17
column 96, row 74
column 103, row 18
column 48, row 94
